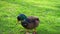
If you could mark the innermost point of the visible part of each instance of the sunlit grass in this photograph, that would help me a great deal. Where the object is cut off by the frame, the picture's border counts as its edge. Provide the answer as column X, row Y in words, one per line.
column 48, row 12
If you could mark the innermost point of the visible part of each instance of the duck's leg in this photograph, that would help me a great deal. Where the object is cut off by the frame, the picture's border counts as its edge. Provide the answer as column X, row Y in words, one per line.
column 27, row 32
column 34, row 31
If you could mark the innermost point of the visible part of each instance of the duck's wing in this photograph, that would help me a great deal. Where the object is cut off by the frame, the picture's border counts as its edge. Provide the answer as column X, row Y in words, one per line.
column 33, row 18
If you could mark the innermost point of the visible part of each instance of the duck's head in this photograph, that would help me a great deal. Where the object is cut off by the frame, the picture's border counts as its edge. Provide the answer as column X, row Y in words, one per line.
column 21, row 17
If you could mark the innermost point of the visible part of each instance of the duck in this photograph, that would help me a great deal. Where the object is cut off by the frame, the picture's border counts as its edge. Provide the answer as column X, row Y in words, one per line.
column 29, row 23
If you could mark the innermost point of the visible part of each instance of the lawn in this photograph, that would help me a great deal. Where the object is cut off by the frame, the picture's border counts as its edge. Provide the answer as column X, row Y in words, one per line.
column 48, row 12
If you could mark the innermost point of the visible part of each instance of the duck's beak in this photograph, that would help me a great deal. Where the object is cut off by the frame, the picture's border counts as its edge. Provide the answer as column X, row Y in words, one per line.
column 18, row 22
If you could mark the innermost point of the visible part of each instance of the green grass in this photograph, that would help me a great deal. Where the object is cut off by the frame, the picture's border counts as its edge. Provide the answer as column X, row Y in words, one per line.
column 48, row 12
